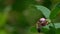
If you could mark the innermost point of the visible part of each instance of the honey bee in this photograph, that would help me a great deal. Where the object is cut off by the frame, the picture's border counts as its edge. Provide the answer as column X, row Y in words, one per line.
column 41, row 22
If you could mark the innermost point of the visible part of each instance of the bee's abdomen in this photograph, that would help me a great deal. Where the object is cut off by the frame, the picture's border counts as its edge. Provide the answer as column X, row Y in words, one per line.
column 39, row 30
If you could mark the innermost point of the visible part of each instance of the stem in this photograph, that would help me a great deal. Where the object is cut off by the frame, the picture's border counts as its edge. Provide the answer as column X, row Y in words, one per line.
column 53, row 26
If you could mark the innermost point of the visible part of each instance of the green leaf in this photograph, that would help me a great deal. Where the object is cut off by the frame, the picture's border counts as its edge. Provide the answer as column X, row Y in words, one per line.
column 45, row 30
column 52, row 30
column 57, row 25
column 46, row 12
column 55, row 11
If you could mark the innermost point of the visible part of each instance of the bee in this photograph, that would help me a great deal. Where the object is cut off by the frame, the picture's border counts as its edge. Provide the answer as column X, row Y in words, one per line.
column 40, row 23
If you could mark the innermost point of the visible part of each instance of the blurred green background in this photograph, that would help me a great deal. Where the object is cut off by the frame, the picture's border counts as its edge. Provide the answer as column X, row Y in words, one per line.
column 20, row 16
